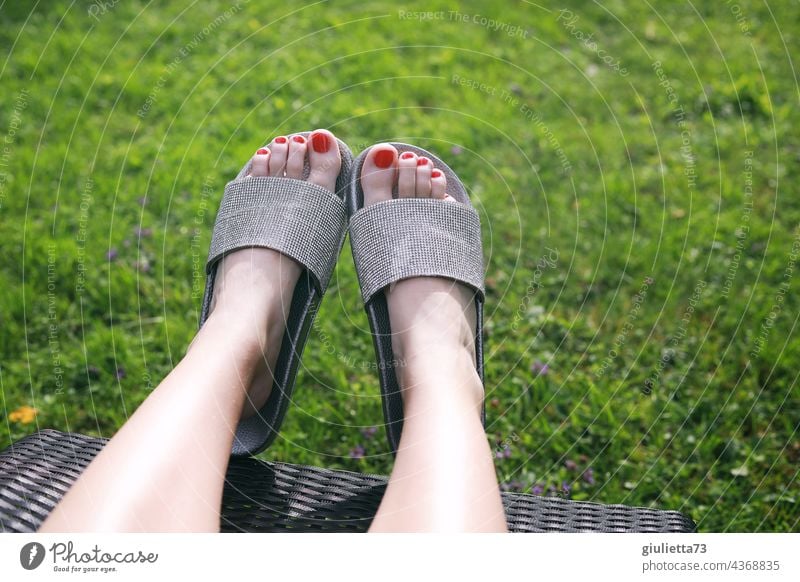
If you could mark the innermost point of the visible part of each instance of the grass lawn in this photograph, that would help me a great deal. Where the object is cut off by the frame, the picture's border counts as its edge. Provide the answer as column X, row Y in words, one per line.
column 635, row 168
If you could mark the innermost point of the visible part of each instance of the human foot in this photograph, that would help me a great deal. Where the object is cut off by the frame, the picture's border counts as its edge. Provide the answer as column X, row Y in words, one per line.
column 433, row 319
column 254, row 286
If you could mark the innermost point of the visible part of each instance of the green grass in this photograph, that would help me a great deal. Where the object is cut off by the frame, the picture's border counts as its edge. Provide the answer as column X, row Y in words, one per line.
column 561, row 151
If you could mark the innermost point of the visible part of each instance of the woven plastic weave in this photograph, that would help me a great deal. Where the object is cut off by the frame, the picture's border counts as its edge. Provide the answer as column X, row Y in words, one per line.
column 268, row 497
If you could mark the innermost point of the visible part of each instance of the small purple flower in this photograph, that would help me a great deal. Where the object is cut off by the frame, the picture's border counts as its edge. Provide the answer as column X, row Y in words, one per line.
column 111, row 254
column 588, row 476
column 552, row 489
column 537, row 489
column 143, row 232
column 565, row 488
column 369, row 432
column 539, row 368
column 570, row 464
column 456, row 150
column 357, row 452
column 120, row 373
column 142, row 200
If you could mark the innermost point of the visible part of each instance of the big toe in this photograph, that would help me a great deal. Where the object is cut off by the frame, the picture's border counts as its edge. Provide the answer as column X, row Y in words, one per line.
column 324, row 159
column 378, row 173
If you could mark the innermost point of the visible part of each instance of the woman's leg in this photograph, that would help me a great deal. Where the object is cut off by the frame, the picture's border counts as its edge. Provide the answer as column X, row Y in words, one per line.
column 443, row 477
column 165, row 468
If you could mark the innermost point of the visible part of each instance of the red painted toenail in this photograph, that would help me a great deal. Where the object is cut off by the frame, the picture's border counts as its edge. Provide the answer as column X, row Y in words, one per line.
column 262, row 152
column 422, row 162
column 407, row 156
column 280, row 139
column 320, row 142
column 384, row 158
column 435, row 174
column 299, row 139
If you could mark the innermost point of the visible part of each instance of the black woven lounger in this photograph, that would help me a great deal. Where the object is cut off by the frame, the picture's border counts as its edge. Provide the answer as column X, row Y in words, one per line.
column 276, row 497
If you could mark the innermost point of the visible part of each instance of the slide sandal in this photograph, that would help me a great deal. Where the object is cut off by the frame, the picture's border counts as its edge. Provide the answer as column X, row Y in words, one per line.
column 412, row 237
column 303, row 221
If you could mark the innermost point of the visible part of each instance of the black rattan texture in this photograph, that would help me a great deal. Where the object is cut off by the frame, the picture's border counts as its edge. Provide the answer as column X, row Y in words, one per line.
column 275, row 497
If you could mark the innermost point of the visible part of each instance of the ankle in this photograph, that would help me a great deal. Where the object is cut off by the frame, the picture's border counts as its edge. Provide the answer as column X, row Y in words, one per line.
column 241, row 332
column 441, row 379
column 434, row 401
column 435, row 357
column 422, row 352
column 256, row 279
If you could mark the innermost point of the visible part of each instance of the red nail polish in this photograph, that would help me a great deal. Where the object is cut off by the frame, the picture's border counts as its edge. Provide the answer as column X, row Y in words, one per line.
column 280, row 139
column 262, row 152
column 435, row 174
column 320, row 142
column 299, row 139
column 407, row 156
column 384, row 158
column 422, row 162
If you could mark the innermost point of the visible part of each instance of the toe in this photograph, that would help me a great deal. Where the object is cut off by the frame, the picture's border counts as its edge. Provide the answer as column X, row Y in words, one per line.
column 324, row 159
column 277, row 159
column 424, row 167
column 407, row 175
column 296, row 161
column 438, row 185
column 260, row 163
column 378, row 173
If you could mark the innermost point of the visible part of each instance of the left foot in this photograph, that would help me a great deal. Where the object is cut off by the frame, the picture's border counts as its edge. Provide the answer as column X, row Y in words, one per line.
column 254, row 286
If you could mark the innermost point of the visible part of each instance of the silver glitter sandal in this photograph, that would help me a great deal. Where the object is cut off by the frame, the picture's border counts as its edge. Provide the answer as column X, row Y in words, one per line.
column 303, row 221
column 412, row 237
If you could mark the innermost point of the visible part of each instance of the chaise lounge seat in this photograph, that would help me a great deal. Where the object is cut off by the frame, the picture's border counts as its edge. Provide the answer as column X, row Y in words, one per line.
column 260, row 496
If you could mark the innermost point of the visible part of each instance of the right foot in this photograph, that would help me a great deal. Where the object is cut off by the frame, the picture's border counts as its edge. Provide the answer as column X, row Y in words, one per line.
column 254, row 286
column 433, row 319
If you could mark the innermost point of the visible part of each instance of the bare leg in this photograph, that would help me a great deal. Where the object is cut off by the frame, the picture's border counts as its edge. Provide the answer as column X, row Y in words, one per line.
column 165, row 468
column 443, row 478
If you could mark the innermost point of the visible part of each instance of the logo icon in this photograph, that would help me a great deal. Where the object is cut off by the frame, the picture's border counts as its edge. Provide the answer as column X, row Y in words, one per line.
column 31, row 555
